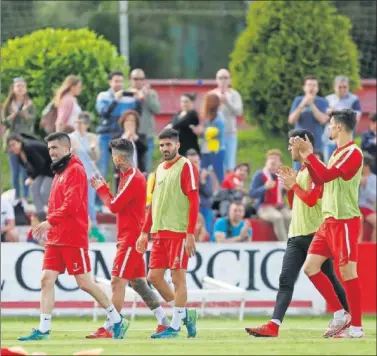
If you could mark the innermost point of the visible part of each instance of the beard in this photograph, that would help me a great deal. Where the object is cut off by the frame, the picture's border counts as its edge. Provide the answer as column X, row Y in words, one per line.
column 168, row 156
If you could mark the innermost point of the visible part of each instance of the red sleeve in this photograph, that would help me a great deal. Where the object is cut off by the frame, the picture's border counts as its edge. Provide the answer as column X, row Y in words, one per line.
column 346, row 167
column 290, row 196
column 230, row 182
column 309, row 197
column 193, row 198
column 75, row 185
column 148, row 220
column 189, row 178
column 115, row 204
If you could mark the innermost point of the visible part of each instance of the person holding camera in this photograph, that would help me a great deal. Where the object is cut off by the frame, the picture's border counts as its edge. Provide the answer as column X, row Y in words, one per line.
column 150, row 106
column 110, row 106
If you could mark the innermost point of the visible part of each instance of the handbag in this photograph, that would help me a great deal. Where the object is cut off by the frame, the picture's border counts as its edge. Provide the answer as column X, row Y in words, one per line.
column 48, row 119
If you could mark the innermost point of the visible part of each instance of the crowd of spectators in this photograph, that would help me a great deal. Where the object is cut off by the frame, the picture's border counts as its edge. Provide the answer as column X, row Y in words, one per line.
column 208, row 139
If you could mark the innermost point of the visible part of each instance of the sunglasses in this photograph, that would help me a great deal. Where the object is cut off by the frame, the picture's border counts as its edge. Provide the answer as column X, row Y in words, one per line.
column 137, row 78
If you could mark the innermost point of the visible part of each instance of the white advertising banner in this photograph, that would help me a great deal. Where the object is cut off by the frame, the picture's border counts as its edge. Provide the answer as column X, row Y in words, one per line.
column 254, row 267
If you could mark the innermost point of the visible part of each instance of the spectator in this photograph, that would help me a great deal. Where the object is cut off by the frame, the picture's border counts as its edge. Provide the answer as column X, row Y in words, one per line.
column 266, row 188
column 367, row 195
column 309, row 112
column 84, row 144
column 201, row 234
column 66, row 103
column 341, row 99
column 130, row 123
column 368, row 140
column 19, row 116
column 235, row 180
column 150, row 106
column 110, row 105
column 205, row 190
column 231, row 107
column 34, row 156
column 8, row 222
column 35, row 219
column 184, row 121
column 233, row 228
column 213, row 149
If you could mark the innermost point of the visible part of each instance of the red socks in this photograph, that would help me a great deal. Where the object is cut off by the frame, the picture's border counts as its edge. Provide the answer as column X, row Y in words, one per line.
column 324, row 286
column 353, row 291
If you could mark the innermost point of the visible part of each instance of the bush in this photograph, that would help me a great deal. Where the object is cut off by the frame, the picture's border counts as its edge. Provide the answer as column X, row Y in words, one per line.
column 283, row 42
column 45, row 57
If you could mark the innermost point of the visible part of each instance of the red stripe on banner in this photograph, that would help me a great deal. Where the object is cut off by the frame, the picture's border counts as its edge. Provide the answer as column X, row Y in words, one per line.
column 232, row 304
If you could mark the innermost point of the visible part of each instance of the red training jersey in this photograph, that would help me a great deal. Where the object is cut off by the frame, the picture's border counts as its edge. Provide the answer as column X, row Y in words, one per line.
column 128, row 205
column 232, row 181
column 68, row 207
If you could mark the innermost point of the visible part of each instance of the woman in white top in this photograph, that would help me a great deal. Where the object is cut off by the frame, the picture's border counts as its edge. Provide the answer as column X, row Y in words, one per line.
column 66, row 103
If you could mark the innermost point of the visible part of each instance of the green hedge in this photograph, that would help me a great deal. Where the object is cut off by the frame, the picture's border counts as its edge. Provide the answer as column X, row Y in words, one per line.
column 283, row 42
column 45, row 57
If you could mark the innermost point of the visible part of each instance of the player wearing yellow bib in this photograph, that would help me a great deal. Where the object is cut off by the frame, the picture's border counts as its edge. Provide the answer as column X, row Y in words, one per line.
column 305, row 200
column 337, row 237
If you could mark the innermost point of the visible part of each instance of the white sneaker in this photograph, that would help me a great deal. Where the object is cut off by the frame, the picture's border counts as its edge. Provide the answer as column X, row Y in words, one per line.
column 337, row 326
column 349, row 333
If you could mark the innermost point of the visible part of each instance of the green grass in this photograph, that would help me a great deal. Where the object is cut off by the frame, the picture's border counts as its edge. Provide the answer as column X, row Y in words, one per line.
column 221, row 336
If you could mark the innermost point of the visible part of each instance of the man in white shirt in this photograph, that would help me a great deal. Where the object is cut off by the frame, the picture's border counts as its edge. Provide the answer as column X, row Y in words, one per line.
column 8, row 222
column 231, row 107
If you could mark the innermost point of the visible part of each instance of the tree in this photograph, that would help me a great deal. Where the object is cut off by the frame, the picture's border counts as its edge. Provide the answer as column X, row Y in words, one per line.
column 45, row 57
column 283, row 42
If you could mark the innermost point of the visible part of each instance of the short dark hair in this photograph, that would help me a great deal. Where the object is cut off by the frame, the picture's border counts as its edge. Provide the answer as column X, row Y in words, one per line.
column 368, row 159
column 15, row 137
column 302, row 133
column 247, row 165
column 346, row 117
column 309, row 77
column 115, row 73
column 58, row 136
column 372, row 117
column 124, row 146
column 190, row 96
column 169, row 133
column 320, row 154
column 192, row 152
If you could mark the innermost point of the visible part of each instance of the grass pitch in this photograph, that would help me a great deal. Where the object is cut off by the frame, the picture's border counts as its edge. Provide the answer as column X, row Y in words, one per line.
column 216, row 336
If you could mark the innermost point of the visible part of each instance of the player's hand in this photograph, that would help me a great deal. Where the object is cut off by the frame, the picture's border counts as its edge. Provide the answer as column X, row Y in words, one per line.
column 288, row 180
column 40, row 230
column 142, row 243
column 305, row 147
column 190, row 245
column 97, row 183
column 270, row 184
column 29, row 182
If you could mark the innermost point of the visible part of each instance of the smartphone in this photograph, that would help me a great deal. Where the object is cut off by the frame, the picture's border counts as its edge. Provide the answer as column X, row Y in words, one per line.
column 128, row 93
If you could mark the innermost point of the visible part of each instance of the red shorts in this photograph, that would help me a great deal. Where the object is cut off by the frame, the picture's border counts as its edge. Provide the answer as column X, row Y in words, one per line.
column 337, row 239
column 366, row 211
column 59, row 258
column 128, row 263
column 168, row 253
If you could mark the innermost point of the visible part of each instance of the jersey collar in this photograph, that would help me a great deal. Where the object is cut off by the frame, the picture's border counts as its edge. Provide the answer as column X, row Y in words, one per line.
column 167, row 165
column 339, row 149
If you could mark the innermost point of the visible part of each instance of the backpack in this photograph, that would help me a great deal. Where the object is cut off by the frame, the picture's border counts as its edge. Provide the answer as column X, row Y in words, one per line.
column 48, row 119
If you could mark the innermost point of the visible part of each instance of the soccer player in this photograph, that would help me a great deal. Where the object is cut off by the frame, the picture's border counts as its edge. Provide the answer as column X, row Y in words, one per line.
column 305, row 200
column 171, row 219
column 129, row 206
column 337, row 236
column 67, row 240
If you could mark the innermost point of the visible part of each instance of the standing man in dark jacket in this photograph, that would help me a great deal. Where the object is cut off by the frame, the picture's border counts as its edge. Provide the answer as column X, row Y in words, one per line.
column 33, row 155
column 368, row 140
column 67, row 239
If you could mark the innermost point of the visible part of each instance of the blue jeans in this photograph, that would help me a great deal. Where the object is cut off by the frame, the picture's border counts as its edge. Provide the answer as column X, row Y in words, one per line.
column 92, row 205
column 149, row 154
column 216, row 160
column 230, row 160
column 328, row 151
column 103, row 163
column 208, row 220
column 18, row 172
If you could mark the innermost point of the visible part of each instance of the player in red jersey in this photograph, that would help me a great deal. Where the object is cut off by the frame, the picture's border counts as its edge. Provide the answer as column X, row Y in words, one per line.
column 338, row 235
column 171, row 219
column 67, row 240
column 129, row 207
